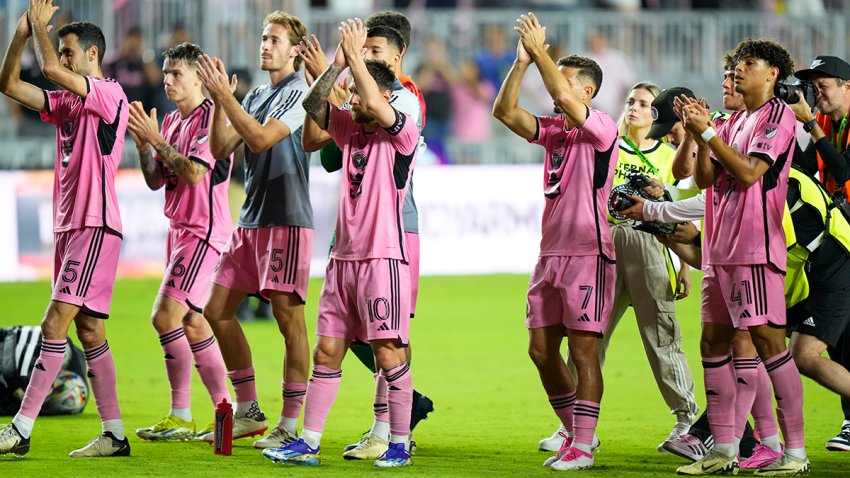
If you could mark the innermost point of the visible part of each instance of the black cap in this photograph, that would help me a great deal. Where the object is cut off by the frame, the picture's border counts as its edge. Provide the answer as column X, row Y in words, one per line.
column 663, row 118
column 829, row 66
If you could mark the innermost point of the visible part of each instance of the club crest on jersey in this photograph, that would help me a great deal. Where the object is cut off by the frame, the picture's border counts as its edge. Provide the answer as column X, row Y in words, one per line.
column 770, row 131
column 359, row 159
column 557, row 159
column 67, row 127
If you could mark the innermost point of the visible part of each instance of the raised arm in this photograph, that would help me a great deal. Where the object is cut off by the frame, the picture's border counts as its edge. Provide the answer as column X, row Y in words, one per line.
column 256, row 136
column 316, row 102
column 696, row 120
column 371, row 97
column 533, row 37
column 146, row 129
column 40, row 13
column 314, row 138
column 506, row 107
column 11, row 85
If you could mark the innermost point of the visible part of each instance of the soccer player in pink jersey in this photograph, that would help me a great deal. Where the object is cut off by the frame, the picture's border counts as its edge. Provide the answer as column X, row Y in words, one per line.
column 366, row 294
column 571, row 291
column 178, row 157
column 269, row 251
column 90, row 114
column 745, row 166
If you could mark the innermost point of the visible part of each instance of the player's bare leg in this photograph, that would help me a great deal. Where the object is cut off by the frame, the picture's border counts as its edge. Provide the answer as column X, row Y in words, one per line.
column 220, row 312
column 288, row 310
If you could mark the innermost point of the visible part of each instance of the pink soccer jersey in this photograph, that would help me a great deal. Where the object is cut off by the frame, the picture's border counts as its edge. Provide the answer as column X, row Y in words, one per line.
column 89, row 142
column 578, row 174
column 201, row 209
column 744, row 225
column 376, row 174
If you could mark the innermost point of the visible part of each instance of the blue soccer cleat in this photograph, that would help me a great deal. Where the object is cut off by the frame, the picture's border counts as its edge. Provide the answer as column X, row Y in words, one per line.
column 295, row 453
column 396, row 455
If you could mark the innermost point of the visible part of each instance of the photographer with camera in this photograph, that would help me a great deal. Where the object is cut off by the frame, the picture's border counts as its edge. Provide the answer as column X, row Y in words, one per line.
column 827, row 155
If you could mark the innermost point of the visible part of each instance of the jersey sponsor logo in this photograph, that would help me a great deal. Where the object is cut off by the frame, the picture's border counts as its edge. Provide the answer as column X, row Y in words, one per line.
column 770, row 131
column 763, row 146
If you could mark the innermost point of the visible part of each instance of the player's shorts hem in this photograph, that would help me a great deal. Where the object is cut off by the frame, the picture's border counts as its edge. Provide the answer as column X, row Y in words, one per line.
column 264, row 293
column 193, row 307
column 92, row 313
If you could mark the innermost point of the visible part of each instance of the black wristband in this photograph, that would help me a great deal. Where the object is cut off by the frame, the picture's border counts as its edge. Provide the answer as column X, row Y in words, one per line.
column 807, row 127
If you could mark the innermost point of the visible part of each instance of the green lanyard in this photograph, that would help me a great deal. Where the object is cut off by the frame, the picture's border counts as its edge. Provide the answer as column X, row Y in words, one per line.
column 643, row 156
column 836, row 140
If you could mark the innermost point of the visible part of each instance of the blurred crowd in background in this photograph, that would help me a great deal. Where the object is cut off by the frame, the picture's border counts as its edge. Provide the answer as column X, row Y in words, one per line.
column 460, row 53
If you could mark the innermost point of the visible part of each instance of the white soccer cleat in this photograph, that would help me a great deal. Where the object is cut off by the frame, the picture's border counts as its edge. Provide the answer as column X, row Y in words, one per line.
column 104, row 444
column 553, row 443
column 11, row 441
column 370, row 447
column 574, row 459
column 278, row 437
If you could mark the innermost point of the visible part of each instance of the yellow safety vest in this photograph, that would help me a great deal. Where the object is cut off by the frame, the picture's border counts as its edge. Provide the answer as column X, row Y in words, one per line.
column 814, row 197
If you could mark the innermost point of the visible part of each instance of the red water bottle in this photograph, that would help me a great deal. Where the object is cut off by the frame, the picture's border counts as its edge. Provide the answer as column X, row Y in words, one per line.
column 223, row 432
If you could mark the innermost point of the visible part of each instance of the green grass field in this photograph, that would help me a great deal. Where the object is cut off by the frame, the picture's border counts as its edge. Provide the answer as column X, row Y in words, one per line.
column 470, row 358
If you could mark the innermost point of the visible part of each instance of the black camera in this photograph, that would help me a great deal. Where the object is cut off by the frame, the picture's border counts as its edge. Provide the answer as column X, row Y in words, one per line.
column 787, row 92
column 619, row 201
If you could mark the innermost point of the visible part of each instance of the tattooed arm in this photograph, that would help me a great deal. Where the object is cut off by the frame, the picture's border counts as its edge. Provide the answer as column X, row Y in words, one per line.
column 316, row 102
column 185, row 168
column 151, row 169
column 146, row 129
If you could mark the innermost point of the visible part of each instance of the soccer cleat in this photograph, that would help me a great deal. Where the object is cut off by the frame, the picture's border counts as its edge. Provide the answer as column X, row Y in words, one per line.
column 713, row 463
column 207, row 431
column 278, row 437
column 395, row 456
column 294, row 453
column 170, row 428
column 553, row 443
column 104, row 444
column 785, row 465
column 686, row 446
column 370, row 447
column 574, row 459
column 245, row 427
column 566, row 443
column 422, row 406
column 11, row 441
column 762, row 457
column 840, row 442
